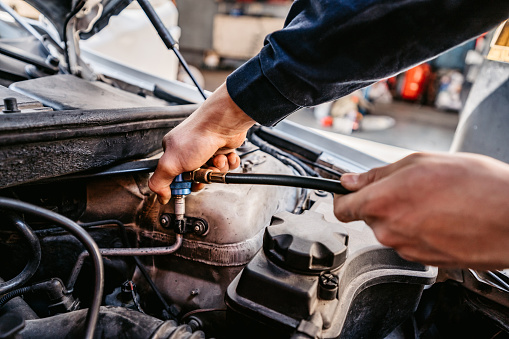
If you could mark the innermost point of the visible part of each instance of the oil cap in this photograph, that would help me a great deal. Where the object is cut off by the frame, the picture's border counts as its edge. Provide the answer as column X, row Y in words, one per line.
column 305, row 243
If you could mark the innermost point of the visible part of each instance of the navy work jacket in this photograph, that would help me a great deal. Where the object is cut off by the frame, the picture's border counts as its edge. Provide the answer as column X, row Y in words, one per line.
column 330, row 48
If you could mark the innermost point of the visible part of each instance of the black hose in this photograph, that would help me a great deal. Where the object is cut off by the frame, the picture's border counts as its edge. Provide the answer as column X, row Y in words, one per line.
column 322, row 167
column 88, row 243
column 289, row 160
column 34, row 261
column 279, row 154
column 333, row 186
column 168, row 40
column 68, row 18
column 13, row 294
column 137, row 260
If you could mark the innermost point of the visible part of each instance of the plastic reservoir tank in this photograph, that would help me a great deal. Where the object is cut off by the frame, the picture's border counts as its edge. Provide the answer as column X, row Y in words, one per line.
column 130, row 39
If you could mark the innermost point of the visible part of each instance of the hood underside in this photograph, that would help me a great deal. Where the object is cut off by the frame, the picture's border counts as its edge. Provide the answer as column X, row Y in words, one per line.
column 57, row 11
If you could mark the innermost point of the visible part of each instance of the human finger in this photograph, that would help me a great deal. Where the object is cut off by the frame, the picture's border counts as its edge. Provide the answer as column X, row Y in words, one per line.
column 233, row 160
column 356, row 181
column 160, row 181
column 220, row 162
column 349, row 207
column 197, row 186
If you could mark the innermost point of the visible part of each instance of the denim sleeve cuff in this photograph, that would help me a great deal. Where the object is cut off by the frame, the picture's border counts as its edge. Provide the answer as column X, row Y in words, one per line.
column 256, row 96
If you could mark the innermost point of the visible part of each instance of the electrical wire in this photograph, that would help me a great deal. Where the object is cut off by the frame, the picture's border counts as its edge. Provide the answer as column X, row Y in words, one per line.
column 35, row 258
column 68, row 18
column 133, row 295
column 85, row 239
column 277, row 153
column 291, row 161
column 13, row 294
column 322, row 167
column 248, row 152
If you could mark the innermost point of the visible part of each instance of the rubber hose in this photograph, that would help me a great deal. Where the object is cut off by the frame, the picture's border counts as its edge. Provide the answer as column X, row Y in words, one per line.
column 328, row 185
column 289, row 160
column 88, row 243
column 276, row 152
column 295, row 165
column 13, row 294
column 34, row 261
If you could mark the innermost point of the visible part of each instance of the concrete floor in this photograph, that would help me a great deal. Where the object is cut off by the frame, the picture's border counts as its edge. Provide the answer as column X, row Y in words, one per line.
column 419, row 128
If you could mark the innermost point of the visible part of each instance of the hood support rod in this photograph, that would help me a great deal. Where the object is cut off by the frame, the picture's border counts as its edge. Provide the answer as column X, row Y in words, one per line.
column 168, row 40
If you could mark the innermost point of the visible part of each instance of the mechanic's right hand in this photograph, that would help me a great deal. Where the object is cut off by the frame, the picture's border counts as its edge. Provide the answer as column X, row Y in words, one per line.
column 209, row 135
column 446, row 210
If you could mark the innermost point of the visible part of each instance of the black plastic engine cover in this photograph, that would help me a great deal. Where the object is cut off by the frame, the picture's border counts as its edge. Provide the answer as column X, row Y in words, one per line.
column 35, row 146
column 375, row 288
column 95, row 125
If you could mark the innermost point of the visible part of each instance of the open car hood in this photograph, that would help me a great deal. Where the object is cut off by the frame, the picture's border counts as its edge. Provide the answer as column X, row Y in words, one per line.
column 58, row 10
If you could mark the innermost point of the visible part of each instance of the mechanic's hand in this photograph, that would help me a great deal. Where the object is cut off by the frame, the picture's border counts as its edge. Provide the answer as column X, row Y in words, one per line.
column 438, row 209
column 209, row 135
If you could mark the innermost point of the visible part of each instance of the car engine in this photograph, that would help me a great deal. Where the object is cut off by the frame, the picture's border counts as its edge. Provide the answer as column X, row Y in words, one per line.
column 247, row 256
column 85, row 241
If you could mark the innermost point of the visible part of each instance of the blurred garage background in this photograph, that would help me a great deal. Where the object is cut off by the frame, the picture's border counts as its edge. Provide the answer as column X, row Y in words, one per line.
column 417, row 110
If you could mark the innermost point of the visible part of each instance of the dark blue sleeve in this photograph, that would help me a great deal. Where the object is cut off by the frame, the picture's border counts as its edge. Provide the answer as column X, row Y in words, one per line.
column 330, row 48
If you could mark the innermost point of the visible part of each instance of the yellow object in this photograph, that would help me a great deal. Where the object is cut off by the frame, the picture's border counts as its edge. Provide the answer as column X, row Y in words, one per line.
column 499, row 50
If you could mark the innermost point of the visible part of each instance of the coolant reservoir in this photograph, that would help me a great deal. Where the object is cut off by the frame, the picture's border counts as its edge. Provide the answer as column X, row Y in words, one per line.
column 130, row 39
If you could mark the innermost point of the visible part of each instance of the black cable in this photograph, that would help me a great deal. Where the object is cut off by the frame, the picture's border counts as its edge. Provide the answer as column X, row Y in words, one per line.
column 268, row 147
column 137, row 260
column 68, row 18
column 333, row 186
column 289, row 160
column 322, row 167
column 277, row 153
column 168, row 40
column 35, row 258
column 248, row 152
column 88, row 243
column 25, row 57
column 13, row 294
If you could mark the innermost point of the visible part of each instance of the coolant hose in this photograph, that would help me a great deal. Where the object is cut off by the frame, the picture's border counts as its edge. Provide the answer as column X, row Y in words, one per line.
column 34, row 261
column 85, row 239
column 328, row 185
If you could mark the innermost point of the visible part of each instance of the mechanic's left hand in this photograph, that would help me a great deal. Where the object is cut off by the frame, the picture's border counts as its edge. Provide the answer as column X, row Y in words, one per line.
column 438, row 209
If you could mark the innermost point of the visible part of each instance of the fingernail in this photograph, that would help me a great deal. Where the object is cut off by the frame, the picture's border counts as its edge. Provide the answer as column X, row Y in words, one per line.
column 222, row 164
column 162, row 200
column 350, row 179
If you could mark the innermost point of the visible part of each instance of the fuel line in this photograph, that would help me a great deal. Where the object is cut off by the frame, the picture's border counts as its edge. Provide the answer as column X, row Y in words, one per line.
column 207, row 176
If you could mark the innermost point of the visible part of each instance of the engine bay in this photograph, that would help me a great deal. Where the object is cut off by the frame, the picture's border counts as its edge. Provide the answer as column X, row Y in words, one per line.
column 84, row 238
column 275, row 264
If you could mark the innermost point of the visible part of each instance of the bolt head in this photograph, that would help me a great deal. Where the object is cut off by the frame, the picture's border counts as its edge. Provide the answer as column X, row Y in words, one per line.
column 165, row 220
column 199, row 227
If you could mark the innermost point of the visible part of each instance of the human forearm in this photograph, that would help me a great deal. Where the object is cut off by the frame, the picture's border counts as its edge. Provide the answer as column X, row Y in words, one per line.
column 329, row 48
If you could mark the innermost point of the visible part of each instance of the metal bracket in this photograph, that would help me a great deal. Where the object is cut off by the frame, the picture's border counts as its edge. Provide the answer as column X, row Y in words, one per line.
column 194, row 225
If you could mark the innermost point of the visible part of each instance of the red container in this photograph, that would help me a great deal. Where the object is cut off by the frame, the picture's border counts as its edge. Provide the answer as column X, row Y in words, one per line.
column 415, row 82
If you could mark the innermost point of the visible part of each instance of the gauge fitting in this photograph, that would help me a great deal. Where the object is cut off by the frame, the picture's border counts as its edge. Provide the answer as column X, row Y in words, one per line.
column 205, row 176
